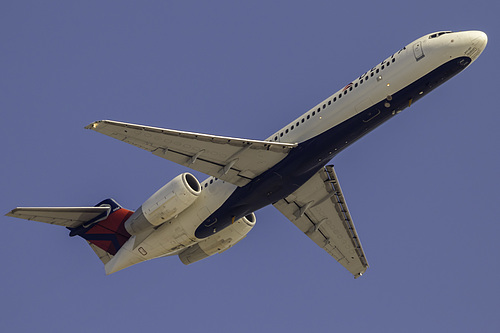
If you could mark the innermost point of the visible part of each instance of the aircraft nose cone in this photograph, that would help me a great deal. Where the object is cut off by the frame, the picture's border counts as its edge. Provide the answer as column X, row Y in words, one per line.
column 476, row 45
column 479, row 39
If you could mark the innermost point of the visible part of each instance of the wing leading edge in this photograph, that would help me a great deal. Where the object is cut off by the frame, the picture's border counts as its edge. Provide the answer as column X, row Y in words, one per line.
column 234, row 160
column 319, row 210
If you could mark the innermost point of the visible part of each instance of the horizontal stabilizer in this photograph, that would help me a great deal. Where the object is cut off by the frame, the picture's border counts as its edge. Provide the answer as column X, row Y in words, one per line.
column 102, row 226
column 70, row 217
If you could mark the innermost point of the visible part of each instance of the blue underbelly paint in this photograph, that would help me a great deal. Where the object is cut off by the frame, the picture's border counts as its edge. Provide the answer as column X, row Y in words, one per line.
column 311, row 155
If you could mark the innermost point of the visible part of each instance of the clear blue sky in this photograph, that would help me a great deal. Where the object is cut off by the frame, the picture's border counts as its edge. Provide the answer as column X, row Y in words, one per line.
column 423, row 189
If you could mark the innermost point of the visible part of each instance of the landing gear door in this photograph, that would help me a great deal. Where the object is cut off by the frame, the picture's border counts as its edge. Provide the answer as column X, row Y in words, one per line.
column 418, row 51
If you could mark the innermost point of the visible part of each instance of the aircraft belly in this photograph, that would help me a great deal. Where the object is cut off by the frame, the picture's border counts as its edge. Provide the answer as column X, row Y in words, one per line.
column 310, row 156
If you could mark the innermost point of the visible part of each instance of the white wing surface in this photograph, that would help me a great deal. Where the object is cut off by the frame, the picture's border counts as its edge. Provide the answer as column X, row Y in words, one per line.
column 234, row 160
column 318, row 209
column 71, row 217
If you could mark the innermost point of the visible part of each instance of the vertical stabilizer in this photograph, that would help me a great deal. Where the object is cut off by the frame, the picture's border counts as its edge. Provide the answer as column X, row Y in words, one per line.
column 106, row 232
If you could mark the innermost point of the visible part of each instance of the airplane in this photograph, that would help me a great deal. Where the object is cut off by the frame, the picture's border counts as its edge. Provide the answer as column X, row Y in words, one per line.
column 289, row 170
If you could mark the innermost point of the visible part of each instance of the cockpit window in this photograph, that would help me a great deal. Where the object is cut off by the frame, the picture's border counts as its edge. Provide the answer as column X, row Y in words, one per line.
column 437, row 34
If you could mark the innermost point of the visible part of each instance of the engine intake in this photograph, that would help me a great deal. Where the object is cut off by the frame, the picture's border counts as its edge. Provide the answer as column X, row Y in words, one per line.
column 168, row 202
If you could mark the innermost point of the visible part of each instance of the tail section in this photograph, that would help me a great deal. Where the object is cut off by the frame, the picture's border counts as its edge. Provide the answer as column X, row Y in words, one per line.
column 102, row 226
column 106, row 233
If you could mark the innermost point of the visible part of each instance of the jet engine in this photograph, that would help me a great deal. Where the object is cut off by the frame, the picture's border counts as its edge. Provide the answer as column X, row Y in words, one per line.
column 168, row 202
column 220, row 241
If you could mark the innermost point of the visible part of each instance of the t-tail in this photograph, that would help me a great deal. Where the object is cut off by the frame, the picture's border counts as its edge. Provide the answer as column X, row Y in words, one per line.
column 105, row 233
column 102, row 226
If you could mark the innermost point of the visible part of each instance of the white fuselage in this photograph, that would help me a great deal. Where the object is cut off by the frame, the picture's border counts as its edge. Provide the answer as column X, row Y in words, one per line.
column 377, row 85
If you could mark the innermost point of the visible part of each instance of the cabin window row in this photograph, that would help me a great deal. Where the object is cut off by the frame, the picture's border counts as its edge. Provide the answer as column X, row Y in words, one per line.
column 297, row 124
column 363, row 79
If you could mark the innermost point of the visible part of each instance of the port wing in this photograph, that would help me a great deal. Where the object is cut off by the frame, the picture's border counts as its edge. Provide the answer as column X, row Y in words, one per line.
column 234, row 160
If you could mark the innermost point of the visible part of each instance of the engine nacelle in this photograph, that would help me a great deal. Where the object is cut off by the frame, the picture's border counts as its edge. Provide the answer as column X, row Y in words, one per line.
column 219, row 242
column 168, row 202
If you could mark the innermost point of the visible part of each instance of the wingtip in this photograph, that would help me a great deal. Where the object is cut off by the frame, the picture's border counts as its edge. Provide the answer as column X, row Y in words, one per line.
column 93, row 125
column 360, row 274
column 12, row 212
